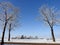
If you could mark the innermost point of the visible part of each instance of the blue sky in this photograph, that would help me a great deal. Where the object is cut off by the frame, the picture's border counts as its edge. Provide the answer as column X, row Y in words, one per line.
column 29, row 11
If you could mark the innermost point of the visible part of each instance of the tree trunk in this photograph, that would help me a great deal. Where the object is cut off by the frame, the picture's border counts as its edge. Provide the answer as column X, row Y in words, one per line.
column 9, row 36
column 2, row 41
column 9, row 32
column 52, row 32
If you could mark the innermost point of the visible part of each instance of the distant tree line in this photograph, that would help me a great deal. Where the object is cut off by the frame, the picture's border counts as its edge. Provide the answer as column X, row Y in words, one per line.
column 25, row 37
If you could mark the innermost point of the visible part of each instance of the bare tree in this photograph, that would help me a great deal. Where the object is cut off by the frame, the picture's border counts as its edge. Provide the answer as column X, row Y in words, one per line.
column 7, row 12
column 13, row 23
column 49, row 16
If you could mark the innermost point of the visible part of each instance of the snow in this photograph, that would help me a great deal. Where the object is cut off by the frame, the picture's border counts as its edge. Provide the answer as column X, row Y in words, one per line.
column 32, row 41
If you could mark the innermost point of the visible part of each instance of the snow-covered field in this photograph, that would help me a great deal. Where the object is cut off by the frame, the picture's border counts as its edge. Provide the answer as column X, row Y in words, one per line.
column 32, row 41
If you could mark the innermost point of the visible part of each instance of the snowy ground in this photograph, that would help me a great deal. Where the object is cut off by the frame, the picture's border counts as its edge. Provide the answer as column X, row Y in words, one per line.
column 32, row 41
